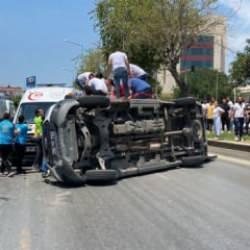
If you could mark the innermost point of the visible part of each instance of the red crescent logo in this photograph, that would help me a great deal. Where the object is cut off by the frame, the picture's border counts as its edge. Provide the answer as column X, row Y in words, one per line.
column 33, row 96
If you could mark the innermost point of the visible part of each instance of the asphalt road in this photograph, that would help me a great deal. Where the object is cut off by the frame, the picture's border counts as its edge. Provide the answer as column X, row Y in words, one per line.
column 188, row 208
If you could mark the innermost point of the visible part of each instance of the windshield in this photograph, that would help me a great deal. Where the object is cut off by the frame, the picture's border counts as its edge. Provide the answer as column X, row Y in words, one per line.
column 28, row 109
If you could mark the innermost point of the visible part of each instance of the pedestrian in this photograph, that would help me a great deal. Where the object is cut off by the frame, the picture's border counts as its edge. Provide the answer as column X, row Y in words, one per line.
column 140, row 89
column 137, row 72
column 204, row 106
column 217, row 113
column 21, row 130
column 38, row 121
column 119, row 64
column 6, row 141
column 247, row 118
column 210, row 115
column 96, row 86
column 239, row 114
column 225, row 116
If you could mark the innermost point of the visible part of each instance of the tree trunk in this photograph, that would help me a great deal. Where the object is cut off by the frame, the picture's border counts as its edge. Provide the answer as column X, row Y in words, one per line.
column 184, row 91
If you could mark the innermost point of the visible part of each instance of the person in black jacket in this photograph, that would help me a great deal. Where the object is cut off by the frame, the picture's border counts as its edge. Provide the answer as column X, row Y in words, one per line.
column 225, row 116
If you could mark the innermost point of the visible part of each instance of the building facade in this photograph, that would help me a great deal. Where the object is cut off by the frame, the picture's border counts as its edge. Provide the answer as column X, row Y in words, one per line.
column 10, row 91
column 209, row 51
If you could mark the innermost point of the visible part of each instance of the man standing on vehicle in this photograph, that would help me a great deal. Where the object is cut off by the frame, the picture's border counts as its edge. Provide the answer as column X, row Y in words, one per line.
column 118, row 62
column 6, row 140
column 21, row 130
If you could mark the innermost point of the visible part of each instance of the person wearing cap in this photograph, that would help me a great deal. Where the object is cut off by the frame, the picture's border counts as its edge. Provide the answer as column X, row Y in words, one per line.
column 119, row 64
column 137, row 72
column 6, row 140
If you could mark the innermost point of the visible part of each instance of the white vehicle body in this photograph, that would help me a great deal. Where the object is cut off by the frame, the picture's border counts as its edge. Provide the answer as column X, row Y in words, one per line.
column 6, row 106
column 41, row 97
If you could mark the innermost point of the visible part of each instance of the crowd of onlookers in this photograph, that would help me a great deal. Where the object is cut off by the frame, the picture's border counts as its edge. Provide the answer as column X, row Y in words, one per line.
column 233, row 117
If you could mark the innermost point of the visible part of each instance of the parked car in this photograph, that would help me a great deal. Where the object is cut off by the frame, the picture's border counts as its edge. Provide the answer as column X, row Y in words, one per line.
column 91, row 138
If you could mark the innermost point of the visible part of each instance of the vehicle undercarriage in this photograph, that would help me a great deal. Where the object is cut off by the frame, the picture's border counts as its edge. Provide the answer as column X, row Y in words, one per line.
column 92, row 138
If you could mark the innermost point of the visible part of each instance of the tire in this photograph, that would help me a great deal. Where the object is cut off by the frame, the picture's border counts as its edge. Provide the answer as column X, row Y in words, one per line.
column 197, row 131
column 185, row 101
column 67, row 176
column 109, row 175
column 192, row 161
column 94, row 102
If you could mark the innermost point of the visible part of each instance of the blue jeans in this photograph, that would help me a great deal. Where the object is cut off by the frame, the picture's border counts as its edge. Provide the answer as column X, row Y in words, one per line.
column 239, row 126
column 44, row 167
column 121, row 77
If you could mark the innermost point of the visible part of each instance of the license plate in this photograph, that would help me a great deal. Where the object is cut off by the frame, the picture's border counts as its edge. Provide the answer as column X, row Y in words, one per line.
column 30, row 149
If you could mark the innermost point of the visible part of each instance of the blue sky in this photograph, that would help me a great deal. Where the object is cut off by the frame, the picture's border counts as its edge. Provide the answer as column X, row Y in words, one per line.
column 32, row 38
column 33, row 32
column 238, row 28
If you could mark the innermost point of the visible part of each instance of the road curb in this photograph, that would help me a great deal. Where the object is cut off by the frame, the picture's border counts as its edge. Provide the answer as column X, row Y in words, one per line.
column 230, row 145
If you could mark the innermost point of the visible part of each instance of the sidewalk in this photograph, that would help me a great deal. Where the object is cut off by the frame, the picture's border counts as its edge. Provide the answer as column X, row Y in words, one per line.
column 242, row 146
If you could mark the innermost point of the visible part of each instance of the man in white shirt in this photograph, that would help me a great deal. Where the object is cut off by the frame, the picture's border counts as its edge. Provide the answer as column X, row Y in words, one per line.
column 82, row 79
column 239, row 114
column 96, row 86
column 137, row 72
column 118, row 63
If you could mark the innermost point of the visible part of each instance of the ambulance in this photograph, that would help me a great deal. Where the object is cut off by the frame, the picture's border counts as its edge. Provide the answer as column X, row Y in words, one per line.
column 40, row 98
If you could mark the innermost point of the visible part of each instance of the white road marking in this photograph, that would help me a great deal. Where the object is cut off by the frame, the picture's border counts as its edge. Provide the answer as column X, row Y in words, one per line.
column 234, row 160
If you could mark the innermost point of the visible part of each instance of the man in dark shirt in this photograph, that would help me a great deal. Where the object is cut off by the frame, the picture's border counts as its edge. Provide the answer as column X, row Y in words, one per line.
column 225, row 116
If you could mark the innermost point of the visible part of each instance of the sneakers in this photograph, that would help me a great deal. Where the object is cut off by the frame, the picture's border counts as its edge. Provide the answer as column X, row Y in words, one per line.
column 11, row 174
column 46, row 174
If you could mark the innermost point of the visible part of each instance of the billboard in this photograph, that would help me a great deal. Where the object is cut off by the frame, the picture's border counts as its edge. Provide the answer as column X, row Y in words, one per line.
column 30, row 82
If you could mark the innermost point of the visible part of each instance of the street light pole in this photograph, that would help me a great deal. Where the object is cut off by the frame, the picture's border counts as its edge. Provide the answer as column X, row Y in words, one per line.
column 74, row 43
column 77, row 59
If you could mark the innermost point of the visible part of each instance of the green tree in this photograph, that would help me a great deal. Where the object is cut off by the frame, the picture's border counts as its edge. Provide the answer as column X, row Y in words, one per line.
column 153, row 32
column 206, row 83
column 240, row 67
column 92, row 61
